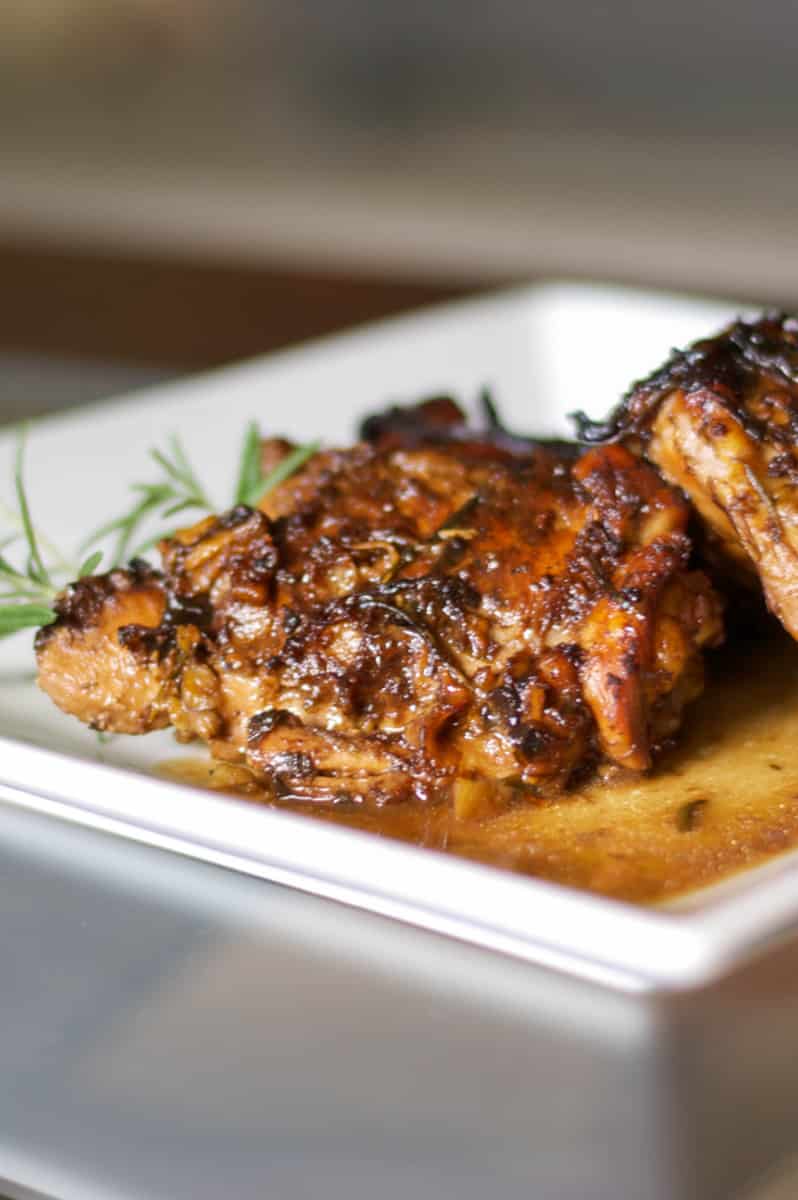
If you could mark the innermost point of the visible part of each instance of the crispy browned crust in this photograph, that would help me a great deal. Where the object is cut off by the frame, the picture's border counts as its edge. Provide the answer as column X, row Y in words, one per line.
column 104, row 659
column 741, row 362
column 439, row 421
column 720, row 420
column 403, row 616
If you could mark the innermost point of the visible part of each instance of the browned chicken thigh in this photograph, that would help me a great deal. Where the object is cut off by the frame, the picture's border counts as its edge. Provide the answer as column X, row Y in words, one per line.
column 720, row 421
column 405, row 615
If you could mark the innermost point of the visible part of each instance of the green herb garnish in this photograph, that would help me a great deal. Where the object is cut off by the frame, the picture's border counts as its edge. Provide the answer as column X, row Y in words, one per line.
column 28, row 592
column 179, row 490
column 252, row 484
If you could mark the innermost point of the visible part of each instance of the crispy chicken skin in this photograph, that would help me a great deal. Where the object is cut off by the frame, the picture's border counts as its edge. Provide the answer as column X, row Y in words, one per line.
column 96, row 666
column 403, row 615
column 720, row 421
column 439, row 421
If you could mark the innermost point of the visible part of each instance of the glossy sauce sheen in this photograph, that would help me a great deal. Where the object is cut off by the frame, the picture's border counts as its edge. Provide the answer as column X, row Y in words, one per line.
column 725, row 798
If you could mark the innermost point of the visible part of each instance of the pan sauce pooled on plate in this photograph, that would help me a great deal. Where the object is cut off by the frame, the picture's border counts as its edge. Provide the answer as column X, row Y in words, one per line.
column 723, row 797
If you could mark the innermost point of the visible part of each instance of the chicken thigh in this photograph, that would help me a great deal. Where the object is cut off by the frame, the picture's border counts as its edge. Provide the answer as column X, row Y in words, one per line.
column 403, row 615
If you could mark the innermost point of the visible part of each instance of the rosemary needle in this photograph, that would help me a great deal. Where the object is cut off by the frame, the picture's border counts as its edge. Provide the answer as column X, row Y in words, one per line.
column 28, row 591
column 179, row 490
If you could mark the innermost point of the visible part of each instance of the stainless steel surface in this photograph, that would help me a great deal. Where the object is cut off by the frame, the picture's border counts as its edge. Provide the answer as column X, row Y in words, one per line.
column 171, row 1030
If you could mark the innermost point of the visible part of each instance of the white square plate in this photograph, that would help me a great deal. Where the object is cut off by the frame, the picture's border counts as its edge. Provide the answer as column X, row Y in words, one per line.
column 544, row 351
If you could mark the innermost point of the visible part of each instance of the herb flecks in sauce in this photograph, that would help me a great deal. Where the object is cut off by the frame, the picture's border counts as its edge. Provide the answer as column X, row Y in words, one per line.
column 724, row 799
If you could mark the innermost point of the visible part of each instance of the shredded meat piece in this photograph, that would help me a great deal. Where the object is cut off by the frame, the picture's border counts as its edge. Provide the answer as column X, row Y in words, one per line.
column 720, row 420
column 402, row 615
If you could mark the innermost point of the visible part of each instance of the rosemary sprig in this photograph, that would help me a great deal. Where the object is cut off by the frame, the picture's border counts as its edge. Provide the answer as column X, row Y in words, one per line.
column 15, row 617
column 125, row 526
column 36, row 567
column 90, row 564
column 248, row 464
column 28, row 592
column 179, row 490
column 252, row 484
column 180, row 471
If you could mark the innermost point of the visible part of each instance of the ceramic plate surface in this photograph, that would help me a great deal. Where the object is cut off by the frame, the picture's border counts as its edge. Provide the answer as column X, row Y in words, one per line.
column 544, row 352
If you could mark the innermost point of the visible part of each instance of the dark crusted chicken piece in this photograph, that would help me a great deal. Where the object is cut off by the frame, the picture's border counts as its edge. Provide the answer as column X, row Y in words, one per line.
column 403, row 616
column 720, row 420
column 439, row 421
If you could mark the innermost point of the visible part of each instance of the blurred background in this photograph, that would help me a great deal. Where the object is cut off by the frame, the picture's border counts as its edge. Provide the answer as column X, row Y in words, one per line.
column 184, row 182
